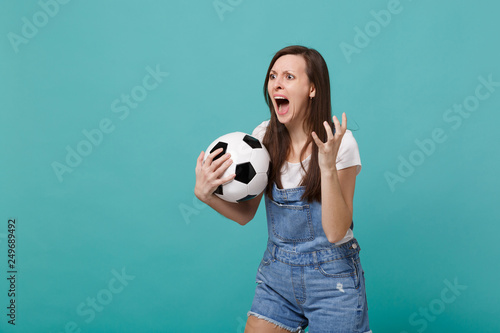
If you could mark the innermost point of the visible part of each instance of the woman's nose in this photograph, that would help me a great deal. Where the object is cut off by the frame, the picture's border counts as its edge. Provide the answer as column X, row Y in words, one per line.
column 277, row 84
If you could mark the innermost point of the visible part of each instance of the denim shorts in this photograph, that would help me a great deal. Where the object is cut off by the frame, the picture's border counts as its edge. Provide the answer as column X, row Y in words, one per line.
column 323, row 290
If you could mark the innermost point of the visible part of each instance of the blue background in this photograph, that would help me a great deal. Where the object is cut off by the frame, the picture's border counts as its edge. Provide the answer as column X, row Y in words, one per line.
column 129, row 206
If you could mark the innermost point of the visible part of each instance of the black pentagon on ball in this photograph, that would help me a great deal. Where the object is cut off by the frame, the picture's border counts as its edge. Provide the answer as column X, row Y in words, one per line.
column 218, row 190
column 222, row 145
column 244, row 172
column 248, row 197
column 252, row 142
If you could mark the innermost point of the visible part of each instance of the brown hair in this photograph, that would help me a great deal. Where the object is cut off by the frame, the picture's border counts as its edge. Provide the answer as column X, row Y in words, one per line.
column 277, row 139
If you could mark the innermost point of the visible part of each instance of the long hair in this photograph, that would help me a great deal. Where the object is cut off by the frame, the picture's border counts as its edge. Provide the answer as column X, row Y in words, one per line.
column 277, row 139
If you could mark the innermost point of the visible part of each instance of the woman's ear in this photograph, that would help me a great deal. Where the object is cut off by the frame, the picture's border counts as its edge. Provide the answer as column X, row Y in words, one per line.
column 312, row 91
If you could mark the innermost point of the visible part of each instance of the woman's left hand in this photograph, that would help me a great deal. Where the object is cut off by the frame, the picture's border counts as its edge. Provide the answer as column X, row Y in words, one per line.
column 327, row 151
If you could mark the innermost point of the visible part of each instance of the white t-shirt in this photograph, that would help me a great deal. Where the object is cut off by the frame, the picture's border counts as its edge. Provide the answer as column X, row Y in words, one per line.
column 292, row 173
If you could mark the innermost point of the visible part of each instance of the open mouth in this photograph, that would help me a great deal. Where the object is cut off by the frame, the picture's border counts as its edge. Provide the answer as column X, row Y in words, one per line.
column 283, row 104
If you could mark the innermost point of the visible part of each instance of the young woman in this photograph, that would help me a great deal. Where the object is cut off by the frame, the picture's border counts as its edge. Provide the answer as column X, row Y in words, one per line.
column 310, row 274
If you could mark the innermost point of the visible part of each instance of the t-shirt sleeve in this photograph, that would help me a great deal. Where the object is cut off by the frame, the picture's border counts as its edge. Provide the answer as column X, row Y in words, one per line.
column 348, row 154
column 260, row 130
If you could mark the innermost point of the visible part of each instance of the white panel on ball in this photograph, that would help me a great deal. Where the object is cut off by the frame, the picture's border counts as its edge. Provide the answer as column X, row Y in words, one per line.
column 260, row 160
column 258, row 184
column 234, row 191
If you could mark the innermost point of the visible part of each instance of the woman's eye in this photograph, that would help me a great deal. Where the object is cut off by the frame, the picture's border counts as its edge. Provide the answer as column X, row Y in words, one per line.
column 290, row 77
column 272, row 76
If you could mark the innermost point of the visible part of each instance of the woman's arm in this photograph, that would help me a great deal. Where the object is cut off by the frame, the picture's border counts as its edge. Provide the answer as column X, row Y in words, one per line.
column 337, row 186
column 337, row 193
column 208, row 175
column 242, row 212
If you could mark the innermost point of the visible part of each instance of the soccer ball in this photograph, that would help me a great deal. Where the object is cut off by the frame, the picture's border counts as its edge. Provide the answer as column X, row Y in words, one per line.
column 250, row 164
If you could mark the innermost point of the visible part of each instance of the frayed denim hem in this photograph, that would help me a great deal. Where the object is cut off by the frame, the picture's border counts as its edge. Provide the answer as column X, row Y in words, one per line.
column 272, row 321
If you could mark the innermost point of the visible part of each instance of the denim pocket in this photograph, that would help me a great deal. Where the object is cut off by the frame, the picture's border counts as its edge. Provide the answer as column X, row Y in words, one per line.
column 341, row 268
column 291, row 223
column 266, row 258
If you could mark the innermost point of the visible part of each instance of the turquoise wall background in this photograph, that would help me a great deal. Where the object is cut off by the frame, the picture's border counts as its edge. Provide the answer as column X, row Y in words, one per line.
column 105, row 106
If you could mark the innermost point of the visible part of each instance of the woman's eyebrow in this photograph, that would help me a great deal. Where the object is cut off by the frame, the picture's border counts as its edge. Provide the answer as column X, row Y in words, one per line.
column 285, row 71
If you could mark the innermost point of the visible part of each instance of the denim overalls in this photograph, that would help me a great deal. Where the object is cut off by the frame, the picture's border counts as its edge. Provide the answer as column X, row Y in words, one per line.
column 303, row 279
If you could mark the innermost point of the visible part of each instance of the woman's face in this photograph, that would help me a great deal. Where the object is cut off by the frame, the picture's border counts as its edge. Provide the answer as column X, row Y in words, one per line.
column 290, row 89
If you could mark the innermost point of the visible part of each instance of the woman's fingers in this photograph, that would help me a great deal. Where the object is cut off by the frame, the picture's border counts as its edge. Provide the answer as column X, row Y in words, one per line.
column 222, row 166
column 215, row 169
column 318, row 142
column 226, row 179
column 340, row 129
column 329, row 136
column 218, row 162
column 208, row 173
column 329, row 133
column 199, row 161
column 211, row 157
column 336, row 123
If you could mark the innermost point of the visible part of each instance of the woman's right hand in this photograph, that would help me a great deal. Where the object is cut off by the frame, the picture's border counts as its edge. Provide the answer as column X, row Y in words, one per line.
column 208, row 174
